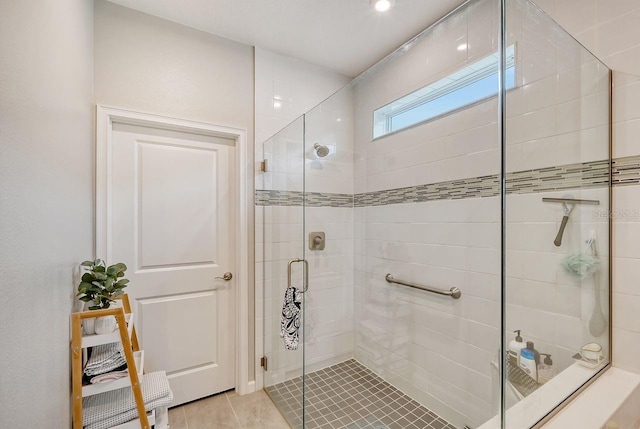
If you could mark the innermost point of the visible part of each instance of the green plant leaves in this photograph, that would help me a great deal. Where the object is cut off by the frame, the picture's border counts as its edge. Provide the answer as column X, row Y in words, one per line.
column 102, row 284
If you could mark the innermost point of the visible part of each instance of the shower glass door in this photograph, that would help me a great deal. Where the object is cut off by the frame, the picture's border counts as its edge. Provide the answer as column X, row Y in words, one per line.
column 557, row 199
column 280, row 231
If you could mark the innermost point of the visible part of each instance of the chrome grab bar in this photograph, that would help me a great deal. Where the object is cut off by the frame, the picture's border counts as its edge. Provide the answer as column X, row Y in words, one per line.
column 306, row 273
column 454, row 292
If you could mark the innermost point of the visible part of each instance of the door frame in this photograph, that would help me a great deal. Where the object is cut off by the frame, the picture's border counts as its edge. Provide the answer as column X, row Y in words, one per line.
column 105, row 118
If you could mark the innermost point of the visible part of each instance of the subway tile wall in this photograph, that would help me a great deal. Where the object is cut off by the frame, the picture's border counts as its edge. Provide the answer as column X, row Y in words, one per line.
column 286, row 88
column 443, row 351
column 436, row 349
column 435, row 364
column 610, row 30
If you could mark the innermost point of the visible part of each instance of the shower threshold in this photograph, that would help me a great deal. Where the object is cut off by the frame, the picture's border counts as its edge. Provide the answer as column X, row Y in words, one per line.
column 349, row 395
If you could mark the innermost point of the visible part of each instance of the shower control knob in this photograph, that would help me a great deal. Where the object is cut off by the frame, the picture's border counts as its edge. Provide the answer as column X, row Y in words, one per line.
column 226, row 277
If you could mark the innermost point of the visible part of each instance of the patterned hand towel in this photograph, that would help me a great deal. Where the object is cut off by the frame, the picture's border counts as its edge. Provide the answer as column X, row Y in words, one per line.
column 105, row 358
column 290, row 321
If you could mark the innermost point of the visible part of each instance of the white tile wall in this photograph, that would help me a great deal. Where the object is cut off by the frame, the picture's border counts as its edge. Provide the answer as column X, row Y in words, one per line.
column 286, row 88
column 432, row 348
column 610, row 30
column 328, row 306
column 403, row 334
column 437, row 349
column 627, row 416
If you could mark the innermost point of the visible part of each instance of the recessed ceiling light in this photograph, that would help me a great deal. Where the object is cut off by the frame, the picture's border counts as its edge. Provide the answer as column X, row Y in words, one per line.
column 462, row 47
column 277, row 104
column 381, row 5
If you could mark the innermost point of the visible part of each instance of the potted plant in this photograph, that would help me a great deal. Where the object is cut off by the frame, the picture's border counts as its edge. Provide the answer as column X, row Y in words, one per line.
column 99, row 287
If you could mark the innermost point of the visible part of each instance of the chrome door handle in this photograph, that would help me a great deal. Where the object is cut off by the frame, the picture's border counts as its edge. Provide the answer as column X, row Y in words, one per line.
column 226, row 277
column 305, row 287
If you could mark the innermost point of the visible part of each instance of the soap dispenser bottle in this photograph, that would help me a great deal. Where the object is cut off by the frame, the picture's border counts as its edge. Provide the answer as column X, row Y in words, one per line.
column 529, row 360
column 545, row 369
column 515, row 347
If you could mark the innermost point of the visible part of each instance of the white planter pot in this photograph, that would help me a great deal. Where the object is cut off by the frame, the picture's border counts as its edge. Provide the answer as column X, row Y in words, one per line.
column 88, row 325
column 105, row 324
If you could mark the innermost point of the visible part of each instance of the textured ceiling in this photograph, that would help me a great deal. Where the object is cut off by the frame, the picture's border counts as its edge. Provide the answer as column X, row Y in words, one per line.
column 346, row 36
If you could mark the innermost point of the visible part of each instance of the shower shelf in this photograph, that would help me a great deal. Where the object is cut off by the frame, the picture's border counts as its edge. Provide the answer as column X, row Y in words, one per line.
column 519, row 379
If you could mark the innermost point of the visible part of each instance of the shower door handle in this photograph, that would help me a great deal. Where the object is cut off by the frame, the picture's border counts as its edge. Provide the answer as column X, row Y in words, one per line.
column 306, row 273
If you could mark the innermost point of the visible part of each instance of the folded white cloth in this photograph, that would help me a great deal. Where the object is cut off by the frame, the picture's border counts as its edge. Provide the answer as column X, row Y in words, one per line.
column 105, row 358
column 118, row 406
column 290, row 319
column 109, row 376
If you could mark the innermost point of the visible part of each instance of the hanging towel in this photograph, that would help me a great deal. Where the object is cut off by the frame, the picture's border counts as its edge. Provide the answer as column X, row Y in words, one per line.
column 290, row 321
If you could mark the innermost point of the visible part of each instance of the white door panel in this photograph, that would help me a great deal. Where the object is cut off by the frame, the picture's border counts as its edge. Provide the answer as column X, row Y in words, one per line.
column 165, row 321
column 187, row 219
column 170, row 205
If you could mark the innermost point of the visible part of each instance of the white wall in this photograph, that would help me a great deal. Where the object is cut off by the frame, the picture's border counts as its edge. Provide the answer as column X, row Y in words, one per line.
column 155, row 66
column 46, row 183
column 610, row 30
column 150, row 65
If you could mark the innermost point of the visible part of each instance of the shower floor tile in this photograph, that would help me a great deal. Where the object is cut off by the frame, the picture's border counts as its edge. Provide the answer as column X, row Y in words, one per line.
column 349, row 395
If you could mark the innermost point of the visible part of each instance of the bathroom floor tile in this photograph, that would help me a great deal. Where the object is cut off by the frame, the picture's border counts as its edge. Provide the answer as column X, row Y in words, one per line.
column 177, row 418
column 212, row 412
column 257, row 411
column 228, row 410
column 349, row 395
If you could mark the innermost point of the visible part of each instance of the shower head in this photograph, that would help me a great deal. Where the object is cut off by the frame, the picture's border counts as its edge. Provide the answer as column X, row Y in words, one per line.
column 321, row 150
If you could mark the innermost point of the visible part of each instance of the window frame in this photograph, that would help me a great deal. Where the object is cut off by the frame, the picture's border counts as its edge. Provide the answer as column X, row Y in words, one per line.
column 385, row 118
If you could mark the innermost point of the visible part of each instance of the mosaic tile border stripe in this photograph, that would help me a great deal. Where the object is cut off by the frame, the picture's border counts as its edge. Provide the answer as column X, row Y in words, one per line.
column 626, row 171
column 348, row 395
column 486, row 186
column 594, row 174
column 295, row 198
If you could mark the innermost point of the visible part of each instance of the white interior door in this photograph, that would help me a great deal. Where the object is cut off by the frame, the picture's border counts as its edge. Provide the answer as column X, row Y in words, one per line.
column 171, row 221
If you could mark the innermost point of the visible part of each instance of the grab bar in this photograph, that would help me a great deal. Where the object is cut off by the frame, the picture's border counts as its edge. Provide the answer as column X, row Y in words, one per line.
column 454, row 292
column 306, row 273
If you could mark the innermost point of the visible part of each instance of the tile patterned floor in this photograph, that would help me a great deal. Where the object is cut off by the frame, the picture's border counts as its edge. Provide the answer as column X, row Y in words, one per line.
column 348, row 395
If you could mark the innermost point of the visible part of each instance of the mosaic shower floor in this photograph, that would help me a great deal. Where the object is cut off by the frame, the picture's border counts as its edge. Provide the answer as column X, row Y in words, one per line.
column 348, row 395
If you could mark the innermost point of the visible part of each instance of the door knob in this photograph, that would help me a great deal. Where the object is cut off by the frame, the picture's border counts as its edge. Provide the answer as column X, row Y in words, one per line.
column 226, row 277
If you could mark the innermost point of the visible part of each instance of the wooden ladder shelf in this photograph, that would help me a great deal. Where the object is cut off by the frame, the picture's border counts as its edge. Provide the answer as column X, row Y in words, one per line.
column 129, row 344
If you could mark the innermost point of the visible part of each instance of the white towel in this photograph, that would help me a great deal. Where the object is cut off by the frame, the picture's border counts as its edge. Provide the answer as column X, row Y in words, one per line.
column 290, row 320
column 112, row 408
column 109, row 376
column 105, row 358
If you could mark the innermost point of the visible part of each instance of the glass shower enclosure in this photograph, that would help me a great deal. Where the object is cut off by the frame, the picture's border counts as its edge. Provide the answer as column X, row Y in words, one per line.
column 475, row 158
